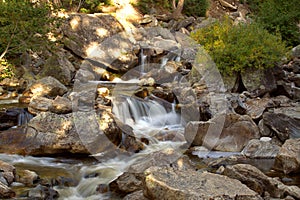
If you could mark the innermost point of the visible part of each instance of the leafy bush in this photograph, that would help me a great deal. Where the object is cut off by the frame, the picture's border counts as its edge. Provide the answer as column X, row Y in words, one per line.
column 23, row 25
column 6, row 70
column 281, row 15
column 195, row 7
column 235, row 48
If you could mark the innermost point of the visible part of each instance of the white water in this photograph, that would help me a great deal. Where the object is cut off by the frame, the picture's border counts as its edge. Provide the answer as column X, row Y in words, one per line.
column 147, row 118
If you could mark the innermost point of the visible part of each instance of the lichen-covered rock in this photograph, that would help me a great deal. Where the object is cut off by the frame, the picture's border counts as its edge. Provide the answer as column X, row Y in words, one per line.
column 225, row 132
column 288, row 158
column 167, row 183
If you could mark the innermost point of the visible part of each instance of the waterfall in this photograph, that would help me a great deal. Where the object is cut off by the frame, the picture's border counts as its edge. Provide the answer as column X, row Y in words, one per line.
column 24, row 117
column 143, row 58
column 147, row 113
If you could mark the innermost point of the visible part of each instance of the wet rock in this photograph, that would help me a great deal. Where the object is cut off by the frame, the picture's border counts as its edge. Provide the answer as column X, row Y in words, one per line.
column 285, row 122
column 168, row 156
column 43, row 192
column 259, row 182
column 260, row 149
column 288, row 158
column 39, row 104
column 8, row 172
column 47, row 86
column 61, row 105
column 58, row 67
column 167, row 183
column 127, row 183
column 6, row 192
column 27, row 177
column 83, row 32
column 225, row 132
column 138, row 195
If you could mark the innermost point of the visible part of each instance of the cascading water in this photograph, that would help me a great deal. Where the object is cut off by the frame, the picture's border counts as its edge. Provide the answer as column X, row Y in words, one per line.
column 146, row 117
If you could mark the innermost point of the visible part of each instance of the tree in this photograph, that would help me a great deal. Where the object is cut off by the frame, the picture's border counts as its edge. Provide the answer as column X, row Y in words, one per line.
column 23, row 25
column 177, row 10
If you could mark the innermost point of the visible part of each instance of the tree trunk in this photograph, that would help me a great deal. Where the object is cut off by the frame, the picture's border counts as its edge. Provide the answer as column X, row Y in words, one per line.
column 177, row 9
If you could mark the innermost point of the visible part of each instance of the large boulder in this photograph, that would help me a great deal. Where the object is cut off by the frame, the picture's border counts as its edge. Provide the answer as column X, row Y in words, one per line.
column 47, row 86
column 288, row 158
column 285, row 122
column 58, row 67
column 167, row 183
column 261, row 149
column 225, row 132
column 83, row 32
column 258, row 82
column 259, row 182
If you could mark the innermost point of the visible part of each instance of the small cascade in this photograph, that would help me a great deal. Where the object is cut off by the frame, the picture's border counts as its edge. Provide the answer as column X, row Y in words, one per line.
column 143, row 58
column 164, row 61
column 24, row 117
column 144, row 113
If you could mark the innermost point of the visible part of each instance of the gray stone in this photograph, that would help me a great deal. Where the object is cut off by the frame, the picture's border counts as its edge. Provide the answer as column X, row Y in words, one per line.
column 42, row 192
column 47, row 86
column 259, row 182
column 225, row 132
column 8, row 172
column 58, row 67
column 260, row 149
column 167, row 183
column 296, row 51
column 27, row 177
column 138, row 195
column 84, row 32
column 39, row 104
column 256, row 107
column 288, row 158
column 6, row 192
column 263, row 129
column 61, row 105
column 284, row 122
column 259, row 82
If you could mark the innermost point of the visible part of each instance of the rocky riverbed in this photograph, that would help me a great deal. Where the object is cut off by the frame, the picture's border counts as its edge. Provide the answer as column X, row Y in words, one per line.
column 145, row 114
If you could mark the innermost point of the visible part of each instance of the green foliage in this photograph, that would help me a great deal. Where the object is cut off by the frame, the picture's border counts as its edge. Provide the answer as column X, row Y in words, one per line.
column 6, row 70
column 282, row 16
column 23, row 25
column 195, row 7
column 235, row 48
column 145, row 5
column 92, row 6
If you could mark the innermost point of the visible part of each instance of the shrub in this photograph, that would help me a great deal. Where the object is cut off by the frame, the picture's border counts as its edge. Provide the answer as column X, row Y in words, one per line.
column 235, row 48
column 6, row 70
column 23, row 25
column 281, row 15
column 195, row 7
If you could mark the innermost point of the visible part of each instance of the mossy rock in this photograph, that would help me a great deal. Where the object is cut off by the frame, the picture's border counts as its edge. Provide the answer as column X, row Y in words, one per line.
column 59, row 68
